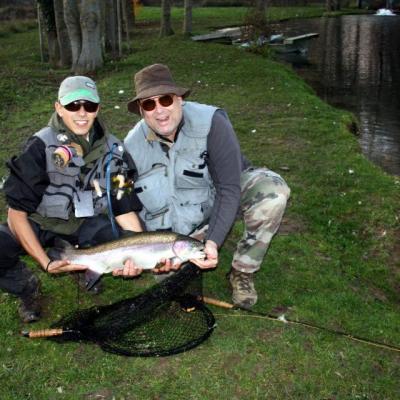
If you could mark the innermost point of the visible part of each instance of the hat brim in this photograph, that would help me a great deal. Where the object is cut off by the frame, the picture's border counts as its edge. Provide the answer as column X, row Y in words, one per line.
column 133, row 105
column 80, row 94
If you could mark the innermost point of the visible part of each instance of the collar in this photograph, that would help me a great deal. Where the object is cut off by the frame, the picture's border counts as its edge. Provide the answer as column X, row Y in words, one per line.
column 97, row 132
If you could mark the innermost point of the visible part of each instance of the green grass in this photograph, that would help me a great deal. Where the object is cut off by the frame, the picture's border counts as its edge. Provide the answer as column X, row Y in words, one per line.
column 334, row 264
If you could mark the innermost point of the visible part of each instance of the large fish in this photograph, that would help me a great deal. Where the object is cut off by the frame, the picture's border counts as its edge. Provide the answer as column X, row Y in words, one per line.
column 145, row 249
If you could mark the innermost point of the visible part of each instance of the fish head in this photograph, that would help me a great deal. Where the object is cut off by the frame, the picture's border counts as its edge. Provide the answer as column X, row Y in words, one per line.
column 187, row 248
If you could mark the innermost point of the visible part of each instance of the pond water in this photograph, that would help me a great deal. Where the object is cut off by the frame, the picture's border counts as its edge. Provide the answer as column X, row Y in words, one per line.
column 355, row 64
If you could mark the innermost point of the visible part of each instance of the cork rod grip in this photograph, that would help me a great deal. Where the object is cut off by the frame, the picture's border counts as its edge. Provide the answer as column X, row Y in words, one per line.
column 215, row 302
column 43, row 333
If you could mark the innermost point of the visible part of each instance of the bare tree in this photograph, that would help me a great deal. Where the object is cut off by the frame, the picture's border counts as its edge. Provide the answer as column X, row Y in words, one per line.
column 91, row 56
column 62, row 34
column 187, row 18
column 333, row 5
column 110, row 27
column 47, row 9
column 79, row 32
column 128, row 16
column 255, row 22
column 71, row 18
column 166, row 27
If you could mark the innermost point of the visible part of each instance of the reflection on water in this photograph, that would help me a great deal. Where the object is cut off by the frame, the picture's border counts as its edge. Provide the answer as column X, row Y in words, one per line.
column 355, row 64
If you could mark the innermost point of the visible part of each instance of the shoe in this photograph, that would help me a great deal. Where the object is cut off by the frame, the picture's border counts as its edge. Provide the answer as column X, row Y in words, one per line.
column 244, row 294
column 30, row 307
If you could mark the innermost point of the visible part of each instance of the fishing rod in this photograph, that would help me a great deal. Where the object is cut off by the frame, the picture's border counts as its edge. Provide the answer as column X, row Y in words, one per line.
column 282, row 318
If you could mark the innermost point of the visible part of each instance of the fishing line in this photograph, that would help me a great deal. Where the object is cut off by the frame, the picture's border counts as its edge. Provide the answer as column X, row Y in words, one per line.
column 283, row 319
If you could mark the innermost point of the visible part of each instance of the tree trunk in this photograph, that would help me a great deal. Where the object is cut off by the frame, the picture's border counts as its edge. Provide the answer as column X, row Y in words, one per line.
column 166, row 27
column 187, row 21
column 333, row 5
column 41, row 33
column 54, row 50
column 91, row 57
column 46, row 6
column 62, row 34
column 128, row 12
column 71, row 18
column 111, row 42
column 119, row 26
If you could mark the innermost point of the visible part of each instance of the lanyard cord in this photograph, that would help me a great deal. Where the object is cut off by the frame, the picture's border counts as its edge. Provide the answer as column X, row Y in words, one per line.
column 108, row 189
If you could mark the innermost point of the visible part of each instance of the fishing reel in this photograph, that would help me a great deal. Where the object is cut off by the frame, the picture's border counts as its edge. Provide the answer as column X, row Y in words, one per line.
column 63, row 154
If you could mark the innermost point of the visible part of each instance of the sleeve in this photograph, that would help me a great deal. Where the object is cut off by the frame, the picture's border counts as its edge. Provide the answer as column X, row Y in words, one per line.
column 129, row 202
column 225, row 166
column 27, row 179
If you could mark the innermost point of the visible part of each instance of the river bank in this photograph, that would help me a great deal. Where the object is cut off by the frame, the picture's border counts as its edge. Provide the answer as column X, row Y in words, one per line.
column 335, row 262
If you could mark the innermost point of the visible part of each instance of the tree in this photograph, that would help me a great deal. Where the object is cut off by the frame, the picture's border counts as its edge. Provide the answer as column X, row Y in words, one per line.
column 48, row 17
column 187, row 18
column 91, row 56
column 256, row 25
column 166, row 27
column 79, row 32
column 62, row 34
column 333, row 5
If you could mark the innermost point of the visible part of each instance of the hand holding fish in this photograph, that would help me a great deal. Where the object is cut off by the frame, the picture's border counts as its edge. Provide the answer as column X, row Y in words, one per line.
column 60, row 266
column 167, row 265
column 129, row 269
column 211, row 260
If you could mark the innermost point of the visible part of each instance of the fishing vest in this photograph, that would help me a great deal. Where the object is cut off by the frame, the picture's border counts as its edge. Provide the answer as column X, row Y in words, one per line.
column 175, row 188
column 69, row 182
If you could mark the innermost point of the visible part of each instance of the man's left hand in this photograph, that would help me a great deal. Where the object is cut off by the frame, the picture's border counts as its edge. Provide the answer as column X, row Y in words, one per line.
column 211, row 260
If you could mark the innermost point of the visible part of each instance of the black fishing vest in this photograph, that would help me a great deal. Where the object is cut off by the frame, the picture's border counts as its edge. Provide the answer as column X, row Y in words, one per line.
column 78, row 177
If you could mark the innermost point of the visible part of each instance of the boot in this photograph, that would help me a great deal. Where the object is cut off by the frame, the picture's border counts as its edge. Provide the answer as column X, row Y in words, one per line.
column 30, row 307
column 244, row 294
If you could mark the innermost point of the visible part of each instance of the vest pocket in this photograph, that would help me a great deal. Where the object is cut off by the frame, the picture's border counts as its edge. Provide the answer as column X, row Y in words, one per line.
column 152, row 190
column 55, row 205
column 157, row 220
column 191, row 172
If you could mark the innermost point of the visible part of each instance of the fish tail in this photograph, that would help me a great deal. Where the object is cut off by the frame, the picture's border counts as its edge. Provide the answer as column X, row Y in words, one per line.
column 60, row 250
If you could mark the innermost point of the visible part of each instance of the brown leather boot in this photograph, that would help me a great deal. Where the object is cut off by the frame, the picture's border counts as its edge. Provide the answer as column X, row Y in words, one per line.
column 244, row 294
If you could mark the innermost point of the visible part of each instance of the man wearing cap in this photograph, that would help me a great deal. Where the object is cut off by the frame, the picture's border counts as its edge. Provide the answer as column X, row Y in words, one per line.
column 193, row 178
column 57, row 188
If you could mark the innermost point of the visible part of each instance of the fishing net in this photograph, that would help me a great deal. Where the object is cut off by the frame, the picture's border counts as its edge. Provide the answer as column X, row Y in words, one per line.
column 166, row 319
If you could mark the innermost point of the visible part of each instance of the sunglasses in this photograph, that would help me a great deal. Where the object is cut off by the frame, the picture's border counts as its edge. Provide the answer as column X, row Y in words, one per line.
column 150, row 104
column 87, row 105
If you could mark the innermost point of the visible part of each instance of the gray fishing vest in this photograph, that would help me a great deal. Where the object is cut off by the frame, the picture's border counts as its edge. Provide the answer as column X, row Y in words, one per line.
column 69, row 181
column 176, row 190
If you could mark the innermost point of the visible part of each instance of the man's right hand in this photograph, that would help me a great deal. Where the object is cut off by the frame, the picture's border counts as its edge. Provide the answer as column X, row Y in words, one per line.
column 60, row 266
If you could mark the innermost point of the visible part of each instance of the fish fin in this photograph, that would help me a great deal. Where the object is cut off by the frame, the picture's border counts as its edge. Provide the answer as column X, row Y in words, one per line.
column 91, row 277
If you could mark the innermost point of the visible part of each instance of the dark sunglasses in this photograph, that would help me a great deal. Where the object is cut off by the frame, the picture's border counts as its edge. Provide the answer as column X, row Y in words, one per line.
column 87, row 105
column 150, row 104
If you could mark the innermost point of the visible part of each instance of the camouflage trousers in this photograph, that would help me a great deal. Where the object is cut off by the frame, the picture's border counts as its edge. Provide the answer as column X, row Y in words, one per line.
column 264, row 195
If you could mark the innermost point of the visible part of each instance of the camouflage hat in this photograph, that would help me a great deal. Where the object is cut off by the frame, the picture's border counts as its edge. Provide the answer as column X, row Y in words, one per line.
column 77, row 88
column 154, row 80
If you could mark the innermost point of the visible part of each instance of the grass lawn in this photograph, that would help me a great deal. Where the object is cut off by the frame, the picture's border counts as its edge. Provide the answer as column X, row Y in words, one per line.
column 335, row 262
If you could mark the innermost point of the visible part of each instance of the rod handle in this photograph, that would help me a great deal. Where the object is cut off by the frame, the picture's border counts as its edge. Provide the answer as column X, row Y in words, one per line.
column 218, row 303
column 43, row 333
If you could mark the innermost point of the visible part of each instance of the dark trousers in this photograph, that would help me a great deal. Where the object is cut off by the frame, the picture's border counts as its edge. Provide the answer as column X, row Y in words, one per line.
column 15, row 275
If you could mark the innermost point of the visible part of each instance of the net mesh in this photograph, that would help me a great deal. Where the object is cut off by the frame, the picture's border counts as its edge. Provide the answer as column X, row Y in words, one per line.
column 166, row 319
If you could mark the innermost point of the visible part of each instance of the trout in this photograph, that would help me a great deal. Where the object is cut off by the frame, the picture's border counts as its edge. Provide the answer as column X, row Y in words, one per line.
column 145, row 249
